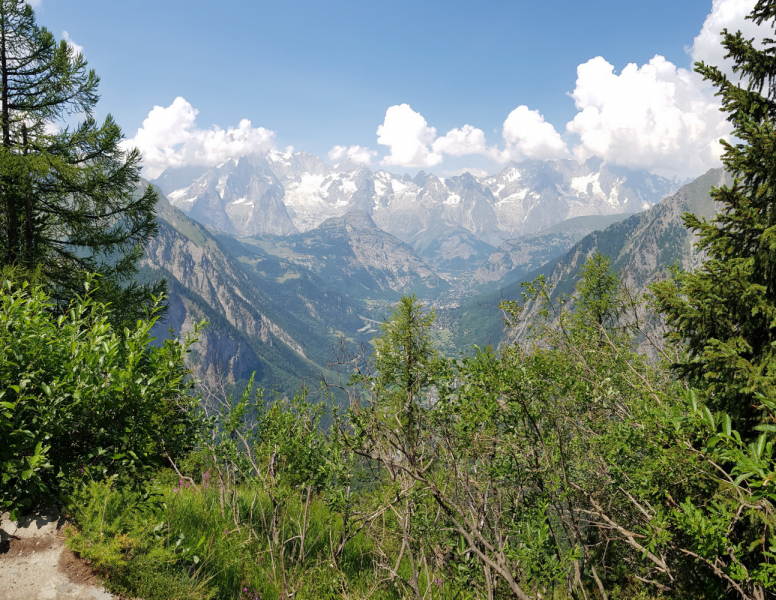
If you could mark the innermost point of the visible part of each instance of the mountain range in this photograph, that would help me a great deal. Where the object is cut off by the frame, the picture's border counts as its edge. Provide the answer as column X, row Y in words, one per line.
column 287, row 193
column 285, row 256
column 642, row 249
column 278, row 306
column 515, row 258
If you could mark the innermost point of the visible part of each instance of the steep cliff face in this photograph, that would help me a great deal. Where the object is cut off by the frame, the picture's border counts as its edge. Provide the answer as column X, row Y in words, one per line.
column 206, row 283
column 254, row 323
column 645, row 245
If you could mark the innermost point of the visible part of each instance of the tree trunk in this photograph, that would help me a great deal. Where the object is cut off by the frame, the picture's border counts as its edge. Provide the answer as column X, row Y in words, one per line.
column 11, row 218
column 29, row 237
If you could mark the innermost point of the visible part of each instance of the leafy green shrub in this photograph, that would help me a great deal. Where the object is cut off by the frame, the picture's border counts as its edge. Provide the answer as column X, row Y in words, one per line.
column 79, row 399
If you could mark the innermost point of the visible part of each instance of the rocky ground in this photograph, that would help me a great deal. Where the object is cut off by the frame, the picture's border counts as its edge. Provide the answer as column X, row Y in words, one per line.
column 36, row 565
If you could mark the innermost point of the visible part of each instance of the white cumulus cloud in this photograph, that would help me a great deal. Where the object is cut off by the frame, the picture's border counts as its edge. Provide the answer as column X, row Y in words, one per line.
column 657, row 117
column 76, row 48
column 413, row 143
column 730, row 15
column 169, row 137
column 408, row 137
column 356, row 154
column 527, row 135
column 459, row 142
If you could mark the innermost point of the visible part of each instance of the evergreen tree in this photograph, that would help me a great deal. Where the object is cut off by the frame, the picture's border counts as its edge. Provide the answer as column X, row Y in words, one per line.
column 71, row 204
column 726, row 311
column 406, row 365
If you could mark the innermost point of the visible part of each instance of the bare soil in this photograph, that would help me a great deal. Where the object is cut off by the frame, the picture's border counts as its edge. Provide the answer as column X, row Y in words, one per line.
column 36, row 565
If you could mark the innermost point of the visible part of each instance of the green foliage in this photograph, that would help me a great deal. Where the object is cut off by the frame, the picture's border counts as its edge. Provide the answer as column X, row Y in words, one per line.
column 281, row 440
column 725, row 314
column 130, row 543
column 405, row 366
column 502, row 455
column 731, row 528
column 726, row 311
column 404, row 354
column 573, row 431
column 599, row 293
column 485, row 477
column 181, row 545
column 567, row 465
column 78, row 399
column 70, row 202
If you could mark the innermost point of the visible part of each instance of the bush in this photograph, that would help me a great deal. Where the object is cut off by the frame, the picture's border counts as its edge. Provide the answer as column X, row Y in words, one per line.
column 79, row 399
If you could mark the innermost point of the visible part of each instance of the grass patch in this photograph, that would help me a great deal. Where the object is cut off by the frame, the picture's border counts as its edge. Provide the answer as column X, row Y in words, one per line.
column 173, row 541
column 288, row 276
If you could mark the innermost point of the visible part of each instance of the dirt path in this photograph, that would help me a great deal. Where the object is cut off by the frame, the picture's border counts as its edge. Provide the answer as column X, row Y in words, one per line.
column 36, row 565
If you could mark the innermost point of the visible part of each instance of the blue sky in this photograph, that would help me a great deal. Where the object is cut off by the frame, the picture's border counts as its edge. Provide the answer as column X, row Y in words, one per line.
column 320, row 74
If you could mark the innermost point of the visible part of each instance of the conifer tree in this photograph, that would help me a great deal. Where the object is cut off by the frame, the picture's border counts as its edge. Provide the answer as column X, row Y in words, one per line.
column 726, row 311
column 70, row 198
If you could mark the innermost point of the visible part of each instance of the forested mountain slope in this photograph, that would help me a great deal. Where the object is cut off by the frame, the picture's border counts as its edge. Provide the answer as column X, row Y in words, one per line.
column 352, row 254
column 641, row 248
column 515, row 258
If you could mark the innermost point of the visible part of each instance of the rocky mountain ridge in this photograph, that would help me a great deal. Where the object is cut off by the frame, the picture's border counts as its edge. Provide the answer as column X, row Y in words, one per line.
column 353, row 254
column 515, row 258
column 287, row 193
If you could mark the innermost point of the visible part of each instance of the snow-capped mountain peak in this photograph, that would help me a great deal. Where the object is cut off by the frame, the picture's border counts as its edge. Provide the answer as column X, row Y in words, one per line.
column 284, row 192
